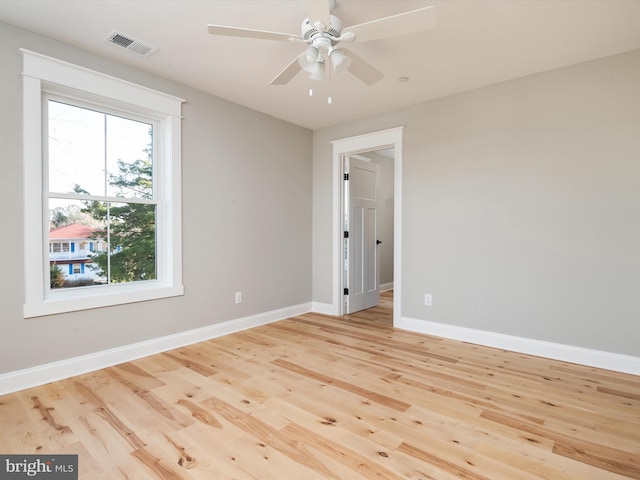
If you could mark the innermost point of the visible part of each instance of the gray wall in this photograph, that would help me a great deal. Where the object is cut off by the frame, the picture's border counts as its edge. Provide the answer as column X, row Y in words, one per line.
column 521, row 206
column 246, row 220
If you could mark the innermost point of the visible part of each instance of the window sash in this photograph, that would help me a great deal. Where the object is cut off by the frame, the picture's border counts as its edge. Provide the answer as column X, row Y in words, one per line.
column 102, row 108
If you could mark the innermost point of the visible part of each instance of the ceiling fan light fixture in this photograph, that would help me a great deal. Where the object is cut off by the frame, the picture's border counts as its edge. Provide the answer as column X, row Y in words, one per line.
column 339, row 60
column 312, row 54
column 309, row 60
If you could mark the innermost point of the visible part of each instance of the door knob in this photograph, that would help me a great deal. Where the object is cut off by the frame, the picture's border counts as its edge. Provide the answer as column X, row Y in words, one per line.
column 378, row 242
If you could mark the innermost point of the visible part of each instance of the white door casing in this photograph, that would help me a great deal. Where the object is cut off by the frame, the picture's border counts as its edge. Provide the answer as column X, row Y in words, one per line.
column 391, row 138
column 362, row 273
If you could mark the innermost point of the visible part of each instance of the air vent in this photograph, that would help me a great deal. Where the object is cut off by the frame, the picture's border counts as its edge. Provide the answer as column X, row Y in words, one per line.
column 130, row 43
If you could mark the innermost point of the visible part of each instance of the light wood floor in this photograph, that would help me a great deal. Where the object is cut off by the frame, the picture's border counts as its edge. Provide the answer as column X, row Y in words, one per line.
column 351, row 398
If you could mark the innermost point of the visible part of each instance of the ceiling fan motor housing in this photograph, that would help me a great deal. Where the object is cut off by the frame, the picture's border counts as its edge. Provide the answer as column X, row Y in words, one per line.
column 310, row 31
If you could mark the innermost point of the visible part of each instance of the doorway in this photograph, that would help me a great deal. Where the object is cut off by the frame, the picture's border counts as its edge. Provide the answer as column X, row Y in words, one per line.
column 375, row 141
column 368, row 199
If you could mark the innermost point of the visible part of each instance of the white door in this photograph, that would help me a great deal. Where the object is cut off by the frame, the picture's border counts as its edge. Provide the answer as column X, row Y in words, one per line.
column 362, row 276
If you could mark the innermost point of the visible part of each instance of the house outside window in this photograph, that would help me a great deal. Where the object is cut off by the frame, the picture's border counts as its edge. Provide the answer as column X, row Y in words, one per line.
column 74, row 267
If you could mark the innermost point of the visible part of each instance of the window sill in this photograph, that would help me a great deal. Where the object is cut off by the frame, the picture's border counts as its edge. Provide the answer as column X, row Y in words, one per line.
column 72, row 301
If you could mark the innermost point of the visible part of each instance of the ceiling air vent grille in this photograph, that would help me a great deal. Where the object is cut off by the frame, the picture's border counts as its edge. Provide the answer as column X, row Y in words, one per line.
column 130, row 43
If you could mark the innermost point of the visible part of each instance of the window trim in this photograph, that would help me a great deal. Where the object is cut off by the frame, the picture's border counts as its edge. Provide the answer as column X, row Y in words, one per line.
column 43, row 74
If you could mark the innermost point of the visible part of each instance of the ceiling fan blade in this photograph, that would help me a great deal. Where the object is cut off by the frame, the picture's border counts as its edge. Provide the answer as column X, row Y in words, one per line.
column 287, row 74
column 319, row 11
column 364, row 70
column 400, row 24
column 251, row 33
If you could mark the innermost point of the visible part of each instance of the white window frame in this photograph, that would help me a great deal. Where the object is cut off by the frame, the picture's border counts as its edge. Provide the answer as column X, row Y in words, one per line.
column 43, row 75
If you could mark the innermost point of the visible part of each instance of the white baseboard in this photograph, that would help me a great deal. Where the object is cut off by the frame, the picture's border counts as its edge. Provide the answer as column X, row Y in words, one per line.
column 31, row 377
column 385, row 287
column 324, row 308
column 556, row 351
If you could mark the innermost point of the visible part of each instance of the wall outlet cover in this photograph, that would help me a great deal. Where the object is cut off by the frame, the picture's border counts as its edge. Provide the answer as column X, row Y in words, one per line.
column 428, row 299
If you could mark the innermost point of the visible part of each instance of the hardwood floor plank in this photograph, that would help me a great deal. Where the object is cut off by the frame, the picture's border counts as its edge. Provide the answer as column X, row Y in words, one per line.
column 599, row 455
column 151, row 400
column 156, row 465
column 199, row 413
column 371, row 395
column 287, row 445
column 458, row 470
column 368, row 466
column 489, row 457
column 45, row 412
column 620, row 393
column 109, row 416
column 138, row 375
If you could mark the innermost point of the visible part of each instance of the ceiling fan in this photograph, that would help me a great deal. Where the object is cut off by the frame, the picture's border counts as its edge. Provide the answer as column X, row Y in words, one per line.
column 322, row 32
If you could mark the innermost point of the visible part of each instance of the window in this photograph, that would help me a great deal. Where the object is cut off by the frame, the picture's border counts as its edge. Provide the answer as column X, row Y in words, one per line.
column 99, row 167
column 105, row 154
column 57, row 247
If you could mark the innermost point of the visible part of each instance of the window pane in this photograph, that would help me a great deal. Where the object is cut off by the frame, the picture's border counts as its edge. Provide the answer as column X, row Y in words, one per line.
column 132, row 240
column 115, row 241
column 99, row 154
column 64, row 212
column 76, row 149
column 129, row 158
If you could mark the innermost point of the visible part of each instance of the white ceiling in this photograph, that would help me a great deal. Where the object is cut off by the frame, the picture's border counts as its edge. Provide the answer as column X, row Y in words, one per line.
column 475, row 43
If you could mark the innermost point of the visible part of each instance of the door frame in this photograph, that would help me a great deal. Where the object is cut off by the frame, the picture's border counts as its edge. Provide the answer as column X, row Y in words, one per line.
column 391, row 138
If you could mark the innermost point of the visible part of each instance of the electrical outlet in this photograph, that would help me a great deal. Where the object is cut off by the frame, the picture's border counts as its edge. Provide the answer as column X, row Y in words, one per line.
column 238, row 297
column 428, row 299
